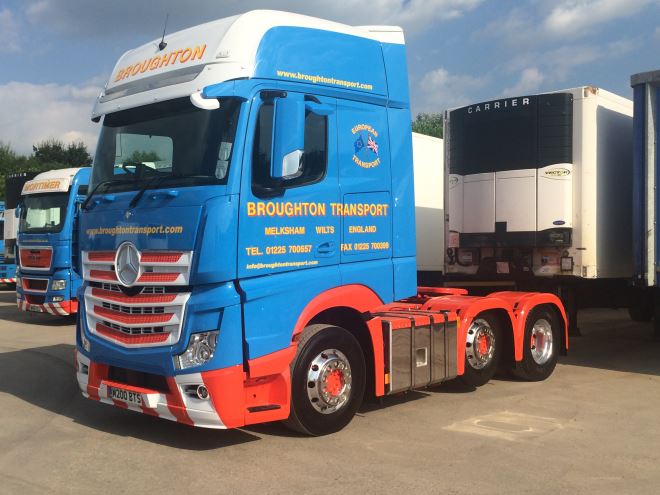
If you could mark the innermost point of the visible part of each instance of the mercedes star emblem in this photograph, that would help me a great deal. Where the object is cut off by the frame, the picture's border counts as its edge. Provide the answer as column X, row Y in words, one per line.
column 127, row 264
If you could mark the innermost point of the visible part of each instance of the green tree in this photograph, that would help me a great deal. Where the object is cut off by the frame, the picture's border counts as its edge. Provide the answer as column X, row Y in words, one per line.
column 429, row 124
column 77, row 155
column 10, row 162
column 144, row 156
column 48, row 155
column 53, row 151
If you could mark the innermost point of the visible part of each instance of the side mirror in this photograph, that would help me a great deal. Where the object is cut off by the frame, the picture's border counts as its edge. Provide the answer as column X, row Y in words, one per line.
column 288, row 137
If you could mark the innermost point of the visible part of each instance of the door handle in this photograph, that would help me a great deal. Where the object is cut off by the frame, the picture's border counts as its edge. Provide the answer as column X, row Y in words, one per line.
column 326, row 249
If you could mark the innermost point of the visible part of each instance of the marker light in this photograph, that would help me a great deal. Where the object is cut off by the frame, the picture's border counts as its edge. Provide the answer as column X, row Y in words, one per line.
column 58, row 298
column 58, row 285
column 201, row 348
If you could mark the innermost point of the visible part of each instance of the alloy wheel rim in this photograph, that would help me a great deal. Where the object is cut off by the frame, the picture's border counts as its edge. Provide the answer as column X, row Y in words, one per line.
column 541, row 341
column 329, row 381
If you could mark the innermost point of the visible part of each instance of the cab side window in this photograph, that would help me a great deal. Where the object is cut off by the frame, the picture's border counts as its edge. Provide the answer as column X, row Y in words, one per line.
column 315, row 155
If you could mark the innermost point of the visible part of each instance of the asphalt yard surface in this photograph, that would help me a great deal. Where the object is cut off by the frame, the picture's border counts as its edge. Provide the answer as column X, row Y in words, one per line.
column 592, row 427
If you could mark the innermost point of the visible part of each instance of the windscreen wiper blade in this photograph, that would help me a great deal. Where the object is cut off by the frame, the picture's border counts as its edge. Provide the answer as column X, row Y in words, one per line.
column 156, row 181
column 97, row 188
column 151, row 183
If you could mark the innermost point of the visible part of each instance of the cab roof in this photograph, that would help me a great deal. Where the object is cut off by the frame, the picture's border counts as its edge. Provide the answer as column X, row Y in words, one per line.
column 52, row 181
column 217, row 51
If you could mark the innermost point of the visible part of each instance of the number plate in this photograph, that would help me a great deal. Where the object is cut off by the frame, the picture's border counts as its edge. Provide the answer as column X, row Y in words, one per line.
column 126, row 396
column 36, row 308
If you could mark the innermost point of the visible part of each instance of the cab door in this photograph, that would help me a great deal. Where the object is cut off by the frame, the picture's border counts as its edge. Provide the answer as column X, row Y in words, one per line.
column 288, row 224
column 289, row 234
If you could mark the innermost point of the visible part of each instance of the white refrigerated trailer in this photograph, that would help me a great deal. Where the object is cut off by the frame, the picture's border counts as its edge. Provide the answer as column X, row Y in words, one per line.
column 539, row 195
column 428, row 162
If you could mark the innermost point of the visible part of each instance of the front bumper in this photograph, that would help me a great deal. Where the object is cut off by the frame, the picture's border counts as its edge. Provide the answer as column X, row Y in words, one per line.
column 173, row 404
column 235, row 399
column 63, row 308
column 34, row 293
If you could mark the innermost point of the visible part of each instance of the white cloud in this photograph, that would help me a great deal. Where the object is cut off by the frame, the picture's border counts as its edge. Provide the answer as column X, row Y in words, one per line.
column 35, row 112
column 547, row 21
column 562, row 61
column 573, row 17
column 530, row 81
column 9, row 37
column 515, row 28
column 440, row 90
column 85, row 18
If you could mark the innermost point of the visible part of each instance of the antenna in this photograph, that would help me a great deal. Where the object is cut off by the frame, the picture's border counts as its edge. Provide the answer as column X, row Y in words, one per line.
column 163, row 44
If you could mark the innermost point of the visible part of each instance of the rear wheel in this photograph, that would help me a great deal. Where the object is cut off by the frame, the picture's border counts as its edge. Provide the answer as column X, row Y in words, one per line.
column 540, row 345
column 327, row 380
column 482, row 350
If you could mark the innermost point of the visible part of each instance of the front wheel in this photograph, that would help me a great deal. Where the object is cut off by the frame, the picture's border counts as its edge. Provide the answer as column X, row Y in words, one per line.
column 540, row 345
column 482, row 350
column 327, row 380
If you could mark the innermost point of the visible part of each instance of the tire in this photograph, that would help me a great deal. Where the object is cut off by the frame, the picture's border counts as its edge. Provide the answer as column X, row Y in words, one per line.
column 641, row 313
column 482, row 350
column 538, row 363
column 327, row 381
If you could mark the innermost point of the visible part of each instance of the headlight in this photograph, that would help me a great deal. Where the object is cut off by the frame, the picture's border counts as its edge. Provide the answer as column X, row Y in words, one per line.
column 83, row 340
column 58, row 285
column 201, row 348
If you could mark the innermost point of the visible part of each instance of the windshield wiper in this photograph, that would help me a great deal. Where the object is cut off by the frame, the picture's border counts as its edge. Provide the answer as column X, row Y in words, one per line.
column 98, row 186
column 156, row 181
column 153, row 182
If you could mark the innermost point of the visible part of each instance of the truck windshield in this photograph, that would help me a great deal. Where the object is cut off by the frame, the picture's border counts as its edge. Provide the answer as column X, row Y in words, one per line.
column 174, row 141
column 42, row 213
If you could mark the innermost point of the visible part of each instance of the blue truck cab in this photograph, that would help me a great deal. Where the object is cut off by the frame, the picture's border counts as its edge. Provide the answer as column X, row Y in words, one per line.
column 47, row 241
column 249, row 225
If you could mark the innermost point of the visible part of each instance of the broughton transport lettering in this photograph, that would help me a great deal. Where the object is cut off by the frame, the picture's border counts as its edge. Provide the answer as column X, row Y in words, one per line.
column 159, row 61
column 359, row 209
column 286, row 209
column 289, row 209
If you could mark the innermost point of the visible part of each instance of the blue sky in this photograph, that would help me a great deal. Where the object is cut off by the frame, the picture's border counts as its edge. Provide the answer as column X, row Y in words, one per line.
column 55, row 55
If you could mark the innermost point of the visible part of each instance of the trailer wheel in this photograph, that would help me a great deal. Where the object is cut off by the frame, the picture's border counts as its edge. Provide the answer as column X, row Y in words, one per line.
column 540, row 345
column 327, row 380
column 482, row 350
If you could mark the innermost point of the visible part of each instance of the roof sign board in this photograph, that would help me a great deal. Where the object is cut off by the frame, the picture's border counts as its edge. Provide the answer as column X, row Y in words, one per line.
column 46, row 186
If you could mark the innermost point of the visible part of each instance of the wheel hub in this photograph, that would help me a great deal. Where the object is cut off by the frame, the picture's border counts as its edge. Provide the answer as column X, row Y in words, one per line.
column 480, row 345
column 329, row 381
column 541, row 341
